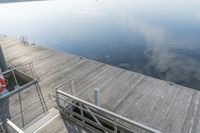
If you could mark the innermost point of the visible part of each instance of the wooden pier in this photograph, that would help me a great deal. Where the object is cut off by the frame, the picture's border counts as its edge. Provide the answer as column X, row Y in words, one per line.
column 159, row 104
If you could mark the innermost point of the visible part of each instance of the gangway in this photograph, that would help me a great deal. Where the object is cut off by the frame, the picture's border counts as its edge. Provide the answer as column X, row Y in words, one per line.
column 95, row 118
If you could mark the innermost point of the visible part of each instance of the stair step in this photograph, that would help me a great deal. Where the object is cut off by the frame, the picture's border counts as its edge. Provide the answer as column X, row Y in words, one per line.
column 42, row 121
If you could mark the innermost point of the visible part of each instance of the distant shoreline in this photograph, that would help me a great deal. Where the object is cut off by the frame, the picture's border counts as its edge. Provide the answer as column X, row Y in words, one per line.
column 14, row 1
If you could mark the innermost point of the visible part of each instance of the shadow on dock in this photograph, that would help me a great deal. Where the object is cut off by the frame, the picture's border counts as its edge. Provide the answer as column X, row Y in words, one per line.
column 4, row 109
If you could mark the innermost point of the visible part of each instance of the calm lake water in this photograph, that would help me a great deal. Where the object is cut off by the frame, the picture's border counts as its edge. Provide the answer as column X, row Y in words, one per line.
column 160, row 38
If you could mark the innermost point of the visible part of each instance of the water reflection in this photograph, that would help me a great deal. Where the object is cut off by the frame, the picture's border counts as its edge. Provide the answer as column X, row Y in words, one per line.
column 158, row 38
column 172, row 59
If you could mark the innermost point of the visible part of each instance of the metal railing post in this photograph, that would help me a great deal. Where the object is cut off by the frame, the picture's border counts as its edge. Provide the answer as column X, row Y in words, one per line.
column 32, row 70
column 57, row 99
column 82, row 114
column 1, row 127
column 115, row 126
column 20, row 102
column 23, row 124
column 38, row 87
column 72, row 87
column 15, row 77
column 41, row 97
column 97, row 96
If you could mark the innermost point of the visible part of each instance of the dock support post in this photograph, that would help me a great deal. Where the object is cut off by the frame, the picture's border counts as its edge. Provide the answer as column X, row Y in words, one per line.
column 72, row 88
column 97, row 96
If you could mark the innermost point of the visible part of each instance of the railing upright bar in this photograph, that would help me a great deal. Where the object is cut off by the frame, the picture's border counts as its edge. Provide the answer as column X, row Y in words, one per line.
column 93, row 115
column 21, row 108
column 115, row 126
column 32, row 71
column 15, row 77
column 2, row 128
column 57, row 99
column 41, row 97
column 82, row 114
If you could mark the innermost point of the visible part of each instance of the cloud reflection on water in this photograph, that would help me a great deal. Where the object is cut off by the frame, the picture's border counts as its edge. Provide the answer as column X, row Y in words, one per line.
column 168, row 59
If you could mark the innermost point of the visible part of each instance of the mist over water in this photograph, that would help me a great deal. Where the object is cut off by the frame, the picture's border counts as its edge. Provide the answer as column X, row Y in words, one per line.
column 160, row 39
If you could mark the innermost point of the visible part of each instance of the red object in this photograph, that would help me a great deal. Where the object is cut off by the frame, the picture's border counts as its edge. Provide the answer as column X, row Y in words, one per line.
column 3, row 84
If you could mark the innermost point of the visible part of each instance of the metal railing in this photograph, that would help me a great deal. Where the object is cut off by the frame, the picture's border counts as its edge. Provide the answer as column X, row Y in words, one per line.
column 27, row 72
column 94, row 117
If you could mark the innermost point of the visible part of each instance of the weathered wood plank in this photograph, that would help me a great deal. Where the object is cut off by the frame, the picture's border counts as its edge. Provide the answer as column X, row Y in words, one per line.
column 159, row 104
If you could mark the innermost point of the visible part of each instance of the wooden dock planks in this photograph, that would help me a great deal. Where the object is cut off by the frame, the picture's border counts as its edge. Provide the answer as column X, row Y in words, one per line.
column 159, row 104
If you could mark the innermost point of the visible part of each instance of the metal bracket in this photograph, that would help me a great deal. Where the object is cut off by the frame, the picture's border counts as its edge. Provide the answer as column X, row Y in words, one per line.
column 2, row 128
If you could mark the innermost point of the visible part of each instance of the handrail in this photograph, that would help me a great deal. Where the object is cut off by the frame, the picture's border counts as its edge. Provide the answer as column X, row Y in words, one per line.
column 18, row 89
column 14, row 68
column 146, row 128
column 27, row 73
